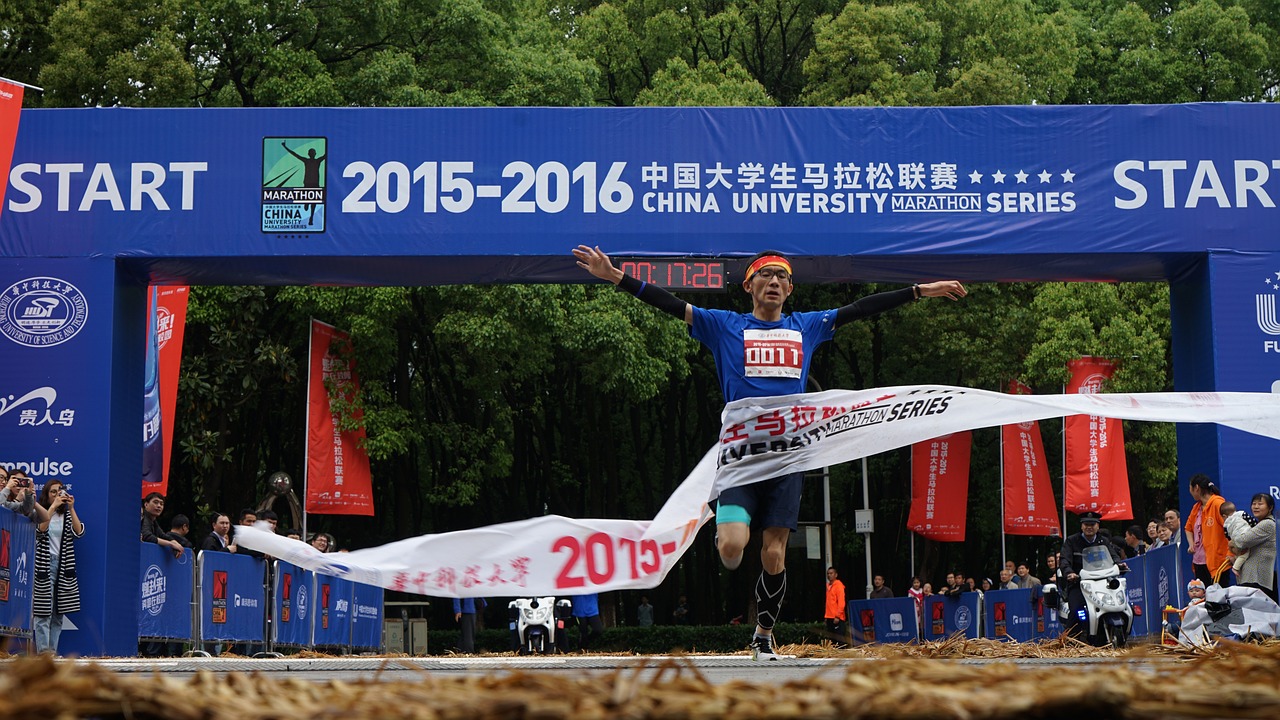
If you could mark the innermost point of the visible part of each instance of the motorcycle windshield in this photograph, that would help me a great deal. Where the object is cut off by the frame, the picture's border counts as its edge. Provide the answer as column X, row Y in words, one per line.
column 1096, row 558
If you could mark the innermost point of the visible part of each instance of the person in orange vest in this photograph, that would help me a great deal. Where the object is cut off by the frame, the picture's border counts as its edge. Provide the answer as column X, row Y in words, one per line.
column 835, row 612
column 1208, row 546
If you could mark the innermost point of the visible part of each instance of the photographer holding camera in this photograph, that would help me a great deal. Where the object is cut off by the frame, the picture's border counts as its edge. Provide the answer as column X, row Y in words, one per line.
column 57, row 591
column 19, row 496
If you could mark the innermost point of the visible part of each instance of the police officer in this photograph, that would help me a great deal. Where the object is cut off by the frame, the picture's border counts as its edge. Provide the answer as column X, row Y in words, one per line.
column 1071, row 564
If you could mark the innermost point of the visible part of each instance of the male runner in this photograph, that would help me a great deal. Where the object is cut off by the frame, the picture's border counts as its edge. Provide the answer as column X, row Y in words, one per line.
column 763, row 353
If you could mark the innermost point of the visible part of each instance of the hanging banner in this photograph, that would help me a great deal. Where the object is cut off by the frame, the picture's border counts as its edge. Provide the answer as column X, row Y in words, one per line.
column 10, row 112
column 940, row 487
column 1029, row 506
column 760, row 438
column 166, row 326
column 338, row 479
column 1097, row 476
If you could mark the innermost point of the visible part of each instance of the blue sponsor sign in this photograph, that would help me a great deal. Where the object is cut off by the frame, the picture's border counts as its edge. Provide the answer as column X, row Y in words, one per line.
column 1136, row 591
column 166, row 587
column 233, row 597
column 17, row 557
column 331, row 624
column 946, row 616
column 1165, row 586
column 1140, row 184
column 890, row 620
column 1011, row 614
column 293, row 608
column 67, row 398
column 1048, row 622
column 366, row 616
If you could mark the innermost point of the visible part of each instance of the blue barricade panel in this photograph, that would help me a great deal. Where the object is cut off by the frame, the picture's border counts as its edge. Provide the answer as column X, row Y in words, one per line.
column 945, row 616
column 366, row 616
column 233, row 597
column 1011, row 615
column 1048, row 624
column 293, row 605
column 1166, row 585
column 166, row 586
column 891, row 620
column 1136, row 587
column 332, row 624
column 17, row 557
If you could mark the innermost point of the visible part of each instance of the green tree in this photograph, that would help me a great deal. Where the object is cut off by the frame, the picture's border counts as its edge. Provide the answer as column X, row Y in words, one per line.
column 874, row 55
column 25, row 43
column 116, row 52
column 710, row 84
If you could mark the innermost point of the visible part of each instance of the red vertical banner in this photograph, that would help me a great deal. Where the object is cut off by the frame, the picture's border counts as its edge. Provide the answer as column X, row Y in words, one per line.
column 167, row 315
column 338, row 479
column 940, row 487
column 1097, row 476
column 1029, row 506
column 10, row 112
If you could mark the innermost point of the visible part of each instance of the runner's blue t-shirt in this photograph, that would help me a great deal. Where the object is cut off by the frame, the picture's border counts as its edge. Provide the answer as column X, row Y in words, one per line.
column 755, row 358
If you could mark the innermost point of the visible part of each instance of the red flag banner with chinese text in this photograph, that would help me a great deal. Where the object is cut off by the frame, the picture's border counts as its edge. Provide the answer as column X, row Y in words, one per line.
column 1029, row 505
column 338, row 479
column 10, row 112
column 940, row 487
column 1097, row 476
column 168, row 318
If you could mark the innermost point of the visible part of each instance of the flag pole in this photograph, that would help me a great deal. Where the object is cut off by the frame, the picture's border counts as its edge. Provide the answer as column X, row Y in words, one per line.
column 19, row 82
column 1003, row 509
column 306, row 432
column 1064, row 471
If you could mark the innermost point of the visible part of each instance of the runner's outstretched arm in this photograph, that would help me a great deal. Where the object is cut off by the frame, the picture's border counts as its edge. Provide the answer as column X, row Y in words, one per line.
column 594, row 261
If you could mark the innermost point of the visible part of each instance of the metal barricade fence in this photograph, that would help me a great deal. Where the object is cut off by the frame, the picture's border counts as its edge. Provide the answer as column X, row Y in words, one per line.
column 17, row 574
column 242, row 600
column 166, row 594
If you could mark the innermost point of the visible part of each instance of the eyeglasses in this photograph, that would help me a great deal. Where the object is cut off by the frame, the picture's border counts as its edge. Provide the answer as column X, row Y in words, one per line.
column 771, row 273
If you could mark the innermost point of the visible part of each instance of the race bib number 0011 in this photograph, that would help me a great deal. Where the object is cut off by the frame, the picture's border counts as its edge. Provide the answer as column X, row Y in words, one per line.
column 772, row 353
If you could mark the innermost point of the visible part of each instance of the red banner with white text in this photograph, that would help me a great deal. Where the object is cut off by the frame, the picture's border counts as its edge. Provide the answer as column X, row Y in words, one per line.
column 1029, row 505
column 338, row 479
column 940, row 487
column 10, row 112
column 1097, row 476
column 167, row 314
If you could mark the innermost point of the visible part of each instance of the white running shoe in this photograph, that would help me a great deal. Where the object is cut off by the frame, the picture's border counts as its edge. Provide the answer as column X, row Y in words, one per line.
column 762, row 648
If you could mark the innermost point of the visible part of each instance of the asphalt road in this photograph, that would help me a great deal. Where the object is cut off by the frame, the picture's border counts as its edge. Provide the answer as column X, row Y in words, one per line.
column 716, row 668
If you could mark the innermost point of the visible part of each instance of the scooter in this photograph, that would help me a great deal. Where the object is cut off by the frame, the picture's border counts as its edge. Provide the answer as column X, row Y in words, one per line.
column 1106, row 612
column 538, row 623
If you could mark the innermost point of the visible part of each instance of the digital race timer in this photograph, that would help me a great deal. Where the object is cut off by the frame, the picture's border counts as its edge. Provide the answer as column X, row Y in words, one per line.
column 705, row 275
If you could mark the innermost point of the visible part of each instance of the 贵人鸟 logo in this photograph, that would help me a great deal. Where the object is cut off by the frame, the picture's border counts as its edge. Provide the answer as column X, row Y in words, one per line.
column 42, row 311
column 293, row 184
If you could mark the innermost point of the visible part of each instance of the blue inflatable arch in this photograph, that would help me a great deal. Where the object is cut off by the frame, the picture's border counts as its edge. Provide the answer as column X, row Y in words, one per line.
column 102, row 201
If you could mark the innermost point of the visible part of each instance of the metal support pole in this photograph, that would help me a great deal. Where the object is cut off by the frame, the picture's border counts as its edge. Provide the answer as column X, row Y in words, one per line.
column 866, row 504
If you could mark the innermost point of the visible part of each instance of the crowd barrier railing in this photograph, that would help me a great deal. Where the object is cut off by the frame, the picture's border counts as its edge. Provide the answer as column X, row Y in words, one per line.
column 888, row 620
column 17, row 575
column 166, row 597
column 217, row 597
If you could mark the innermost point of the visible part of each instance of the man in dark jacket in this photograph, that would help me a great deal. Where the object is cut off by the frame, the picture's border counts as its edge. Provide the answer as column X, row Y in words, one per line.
column 152, row 506
column 1072, row 563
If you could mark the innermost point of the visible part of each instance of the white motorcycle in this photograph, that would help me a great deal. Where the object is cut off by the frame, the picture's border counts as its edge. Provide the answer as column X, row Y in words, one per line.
column 538, row 623
column 1106, row 612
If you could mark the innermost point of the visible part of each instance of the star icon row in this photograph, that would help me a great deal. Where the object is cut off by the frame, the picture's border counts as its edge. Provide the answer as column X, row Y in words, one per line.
column 1021, row 176
column 1275, row 284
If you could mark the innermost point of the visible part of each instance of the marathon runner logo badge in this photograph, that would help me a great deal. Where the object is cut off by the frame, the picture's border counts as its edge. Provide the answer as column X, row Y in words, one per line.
column 293, row 184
